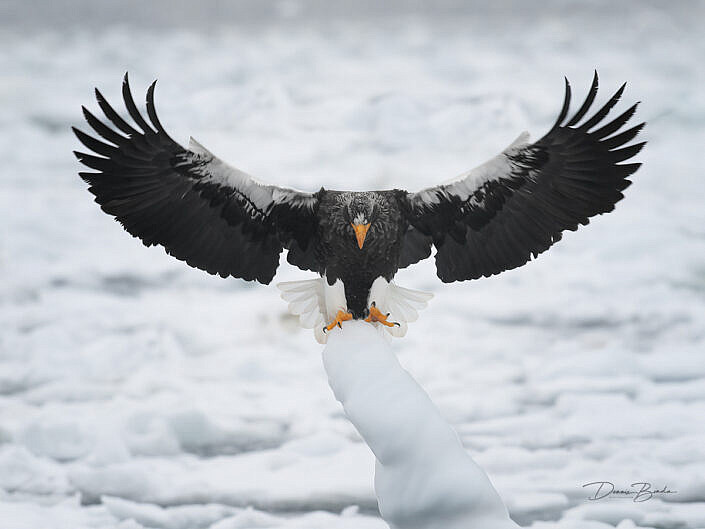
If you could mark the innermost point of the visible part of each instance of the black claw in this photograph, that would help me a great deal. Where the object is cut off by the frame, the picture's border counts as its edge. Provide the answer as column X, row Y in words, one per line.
column 374, row 304
column 388, row 313
column 339, row 325
column 397, row 323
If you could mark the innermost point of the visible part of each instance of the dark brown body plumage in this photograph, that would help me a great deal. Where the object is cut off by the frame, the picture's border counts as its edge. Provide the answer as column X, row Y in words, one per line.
column 337, row 248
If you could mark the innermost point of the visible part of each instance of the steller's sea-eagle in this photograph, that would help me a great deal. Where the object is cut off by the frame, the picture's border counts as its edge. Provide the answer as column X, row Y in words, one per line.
column 490, row 219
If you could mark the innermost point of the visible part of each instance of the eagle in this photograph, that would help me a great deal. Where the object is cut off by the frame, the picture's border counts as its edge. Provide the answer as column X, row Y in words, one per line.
column 495, row 217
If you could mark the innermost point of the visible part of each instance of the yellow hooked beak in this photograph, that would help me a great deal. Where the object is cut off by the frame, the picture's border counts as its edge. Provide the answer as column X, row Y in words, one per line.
column 360, row 233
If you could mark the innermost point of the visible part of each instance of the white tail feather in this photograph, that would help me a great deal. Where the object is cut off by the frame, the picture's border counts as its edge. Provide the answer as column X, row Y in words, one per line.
column 401, row 303
column 316, row 303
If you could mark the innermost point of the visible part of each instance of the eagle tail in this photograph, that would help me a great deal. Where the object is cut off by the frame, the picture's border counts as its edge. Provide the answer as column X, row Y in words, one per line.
column 402, row 304
column 315, row 303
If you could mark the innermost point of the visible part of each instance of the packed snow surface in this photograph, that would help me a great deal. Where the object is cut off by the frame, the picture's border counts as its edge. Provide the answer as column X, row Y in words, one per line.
column 136, row 392
column 424, row 478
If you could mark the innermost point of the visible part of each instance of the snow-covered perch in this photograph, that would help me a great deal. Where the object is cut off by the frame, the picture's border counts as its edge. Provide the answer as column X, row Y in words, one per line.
column 424, row 478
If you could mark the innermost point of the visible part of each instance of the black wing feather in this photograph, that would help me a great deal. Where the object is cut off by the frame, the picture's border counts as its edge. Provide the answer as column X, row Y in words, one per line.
column 189, row 202
column 535, row 193
column 415, row 247
column 592, row 93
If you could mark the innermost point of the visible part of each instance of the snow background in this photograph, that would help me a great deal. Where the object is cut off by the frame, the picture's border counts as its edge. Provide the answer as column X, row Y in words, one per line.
column 136, row 392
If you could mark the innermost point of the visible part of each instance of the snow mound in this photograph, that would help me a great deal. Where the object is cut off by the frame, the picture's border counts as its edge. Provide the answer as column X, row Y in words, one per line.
column 423, row 475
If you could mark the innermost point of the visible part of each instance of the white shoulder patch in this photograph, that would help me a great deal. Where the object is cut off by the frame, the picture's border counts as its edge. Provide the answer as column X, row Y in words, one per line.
column 199, row 149
column 219, row 172
column 468, row 183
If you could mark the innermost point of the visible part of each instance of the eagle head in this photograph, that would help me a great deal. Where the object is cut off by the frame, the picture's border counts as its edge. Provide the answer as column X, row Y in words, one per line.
column 359, row 211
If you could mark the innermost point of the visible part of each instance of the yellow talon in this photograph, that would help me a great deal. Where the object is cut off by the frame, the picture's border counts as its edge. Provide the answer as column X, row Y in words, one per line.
column 377, row 316
column 339, row 318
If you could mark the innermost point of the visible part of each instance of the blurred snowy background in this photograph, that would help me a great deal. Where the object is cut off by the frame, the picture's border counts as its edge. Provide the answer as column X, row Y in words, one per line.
column 137, row 393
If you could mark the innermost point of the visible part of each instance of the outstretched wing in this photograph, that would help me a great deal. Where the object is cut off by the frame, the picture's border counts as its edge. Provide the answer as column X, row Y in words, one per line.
column 201, row 210
column 515, row 206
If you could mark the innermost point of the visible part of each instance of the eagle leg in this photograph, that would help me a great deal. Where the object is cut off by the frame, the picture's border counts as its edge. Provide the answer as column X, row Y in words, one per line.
column 377, row 316
column 339, row 318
